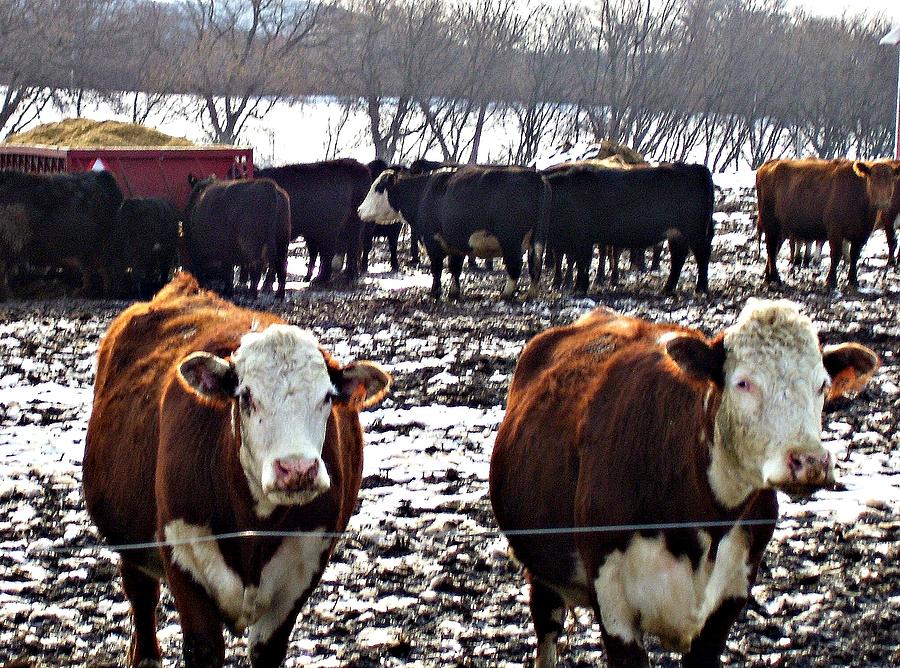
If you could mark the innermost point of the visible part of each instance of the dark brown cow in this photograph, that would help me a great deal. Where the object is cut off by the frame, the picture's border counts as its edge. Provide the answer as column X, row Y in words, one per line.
column 324, row 197
column 833, row 200
column 617, row 422
column 244, row 223
column 210, row 419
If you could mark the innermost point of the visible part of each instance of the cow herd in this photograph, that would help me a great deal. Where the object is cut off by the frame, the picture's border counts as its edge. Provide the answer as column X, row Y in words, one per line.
column 80, row 226
column 634, row 472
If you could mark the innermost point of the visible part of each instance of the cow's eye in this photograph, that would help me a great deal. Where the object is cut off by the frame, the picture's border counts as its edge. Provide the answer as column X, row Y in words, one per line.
column 744, row 385
column 825, row 385
column 246, row 400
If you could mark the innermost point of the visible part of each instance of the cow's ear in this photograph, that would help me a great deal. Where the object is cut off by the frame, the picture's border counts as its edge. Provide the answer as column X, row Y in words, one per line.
column 897, row 169
column 698, row 358
column 208, row 375
column 850, row 366
column 360, row 384
column 861, row 168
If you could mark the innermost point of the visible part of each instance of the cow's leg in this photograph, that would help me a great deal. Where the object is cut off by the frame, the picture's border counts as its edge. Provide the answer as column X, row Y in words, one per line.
column 637, row 257
column 679, row 250
column 835, row 248
column 204, row 645
column 702, row 253
column 367, row 239
column 773, row 245
column 455, row 263
column 582, row 272
column 614, row 253
column 436, row 258
column 354, row 230
column 325, row 268
column 473, row 264
column 413, row 247
column 255, row 273
column 548, row 614
column 855, row 251
column 557, row 269
column 313, row 250
column 706, row 649
column 393, row 236
column 142, row 592
column 601, row 267
column 891, row 235
column 657, row 257
column 513, row 261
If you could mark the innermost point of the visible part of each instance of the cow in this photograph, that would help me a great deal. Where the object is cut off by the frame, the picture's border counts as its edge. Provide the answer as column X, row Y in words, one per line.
column 471, row 210
column 148, row 227
column 324, row 198
column 888, row 220
column 389, row 230
column 662, row 450
column 209, row 419
column 245, row 223
column 634, row 208
column 833, row 200
column 60, row 221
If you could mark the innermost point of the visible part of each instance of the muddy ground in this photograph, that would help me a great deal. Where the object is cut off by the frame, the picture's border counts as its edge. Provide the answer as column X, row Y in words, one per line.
column 422, row 578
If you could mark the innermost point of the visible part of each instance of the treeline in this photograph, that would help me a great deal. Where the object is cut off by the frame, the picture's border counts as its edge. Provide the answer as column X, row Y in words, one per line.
column 733, row 81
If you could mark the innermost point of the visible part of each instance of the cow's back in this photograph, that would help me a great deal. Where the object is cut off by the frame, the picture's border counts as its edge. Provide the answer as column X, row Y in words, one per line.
column 137, row 358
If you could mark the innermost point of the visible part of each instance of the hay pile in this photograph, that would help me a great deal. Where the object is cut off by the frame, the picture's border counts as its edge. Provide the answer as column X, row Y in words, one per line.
column 609, row 149
column 83, row 132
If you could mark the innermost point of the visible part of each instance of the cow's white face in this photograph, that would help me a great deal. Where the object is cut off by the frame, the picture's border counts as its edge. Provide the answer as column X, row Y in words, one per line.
column 773, row 380
column 376, row 206
column 775, row 384
column 281, row 391
column 284, row 400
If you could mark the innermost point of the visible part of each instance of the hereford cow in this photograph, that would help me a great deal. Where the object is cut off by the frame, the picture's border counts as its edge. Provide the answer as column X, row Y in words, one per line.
column 618, row 422
column 148, row 229
column 324, row 198
column 245, row 223
column 472, row 210
column 209, row 419
column 633, row 208
column 833, row 200
column 61, row 221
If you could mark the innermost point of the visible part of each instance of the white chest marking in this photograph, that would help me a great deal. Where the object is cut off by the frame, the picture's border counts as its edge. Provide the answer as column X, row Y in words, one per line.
column 286, row 576
column 646, row 589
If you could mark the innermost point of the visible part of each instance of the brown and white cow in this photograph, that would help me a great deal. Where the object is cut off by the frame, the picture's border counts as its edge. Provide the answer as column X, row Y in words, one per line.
column 833, row 200
column 618, row 422
column 210, row 419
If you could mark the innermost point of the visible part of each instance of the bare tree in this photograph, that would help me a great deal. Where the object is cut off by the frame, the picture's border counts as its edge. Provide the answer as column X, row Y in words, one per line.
column 241, row 57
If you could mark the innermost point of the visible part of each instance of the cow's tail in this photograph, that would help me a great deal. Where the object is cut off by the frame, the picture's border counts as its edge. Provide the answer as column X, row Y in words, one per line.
column 541, row 230
column 710, row 207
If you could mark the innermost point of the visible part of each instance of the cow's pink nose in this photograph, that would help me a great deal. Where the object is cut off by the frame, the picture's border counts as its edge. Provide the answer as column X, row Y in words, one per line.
column 810, row 468
column 295, row 474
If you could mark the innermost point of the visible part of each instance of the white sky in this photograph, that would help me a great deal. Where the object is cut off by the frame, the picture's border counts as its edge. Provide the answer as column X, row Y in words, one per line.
column 890, row 8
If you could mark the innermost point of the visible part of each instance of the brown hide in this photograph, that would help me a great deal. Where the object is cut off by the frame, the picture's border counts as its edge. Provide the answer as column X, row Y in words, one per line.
column 820, row 200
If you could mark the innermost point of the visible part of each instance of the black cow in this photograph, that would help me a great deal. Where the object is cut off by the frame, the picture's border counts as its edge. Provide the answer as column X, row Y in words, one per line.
column 634, row 209
column 482, row 211
column 324, row 198
column 148, row 229
column 60, row 221
column 245, row 223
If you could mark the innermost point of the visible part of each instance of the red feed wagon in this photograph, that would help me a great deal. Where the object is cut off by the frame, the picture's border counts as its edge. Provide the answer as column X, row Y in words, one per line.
column 140, row 171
